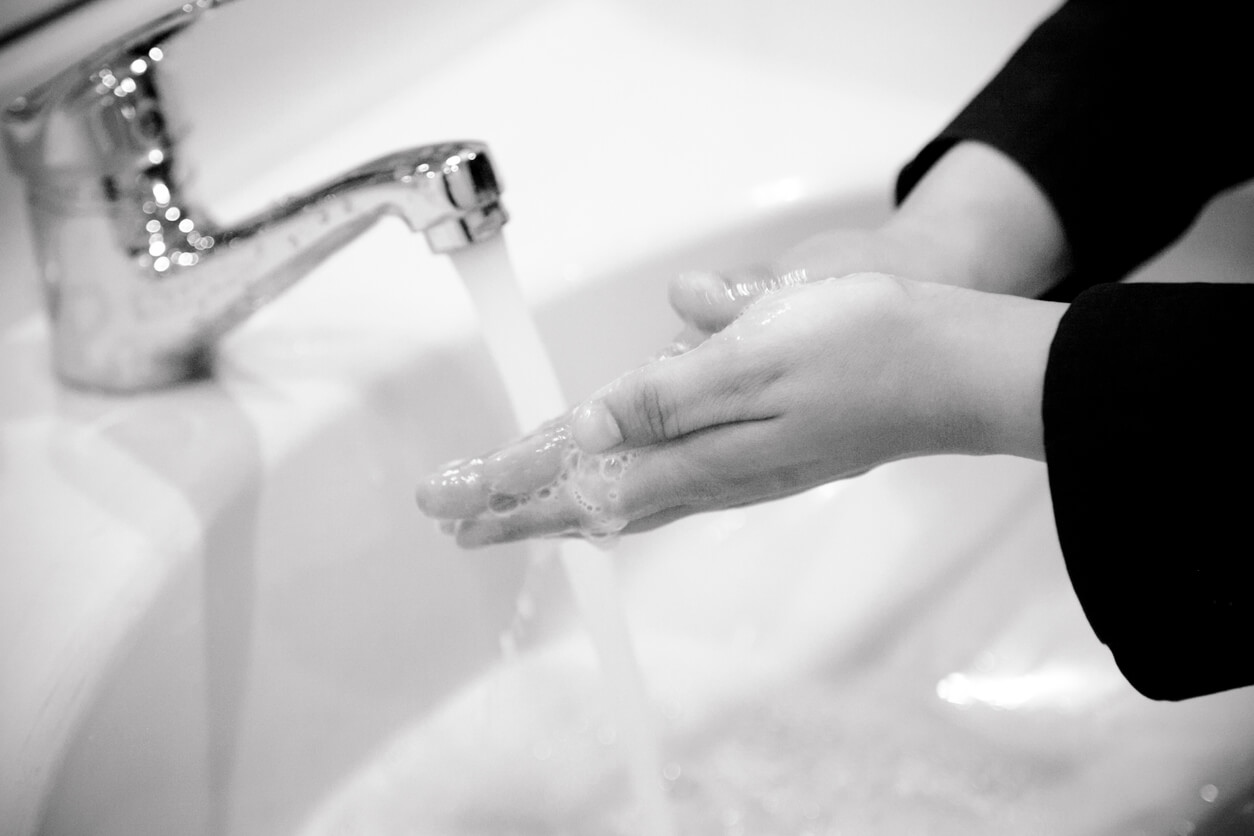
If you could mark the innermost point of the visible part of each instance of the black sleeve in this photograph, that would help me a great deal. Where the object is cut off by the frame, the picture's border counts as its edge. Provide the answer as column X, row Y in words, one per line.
column 1147, row 439
column 1129, row 115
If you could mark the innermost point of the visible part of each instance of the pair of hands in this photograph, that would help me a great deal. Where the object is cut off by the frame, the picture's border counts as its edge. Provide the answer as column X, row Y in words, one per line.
column 788, row 376
column 816, row 367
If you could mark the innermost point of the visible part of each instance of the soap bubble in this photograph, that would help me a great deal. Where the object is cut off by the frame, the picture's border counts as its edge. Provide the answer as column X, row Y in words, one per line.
column 585, row 484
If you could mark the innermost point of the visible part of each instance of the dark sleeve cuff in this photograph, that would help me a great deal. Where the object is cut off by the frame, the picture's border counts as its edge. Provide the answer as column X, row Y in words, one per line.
column 1149, row 450
column 1125, row 115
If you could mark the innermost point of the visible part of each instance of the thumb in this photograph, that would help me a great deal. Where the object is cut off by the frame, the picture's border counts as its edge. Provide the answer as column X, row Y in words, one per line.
column 667, row 399
column 710, row 300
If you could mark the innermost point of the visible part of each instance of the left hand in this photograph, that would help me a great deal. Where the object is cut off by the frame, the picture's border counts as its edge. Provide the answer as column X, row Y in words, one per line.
column 810, row 384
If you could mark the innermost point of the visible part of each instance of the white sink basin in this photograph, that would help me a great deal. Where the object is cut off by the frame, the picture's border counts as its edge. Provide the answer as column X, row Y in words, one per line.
column 220, row 612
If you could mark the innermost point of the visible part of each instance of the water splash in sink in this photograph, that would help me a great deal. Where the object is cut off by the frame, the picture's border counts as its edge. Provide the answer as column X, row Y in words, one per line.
column 535, row 396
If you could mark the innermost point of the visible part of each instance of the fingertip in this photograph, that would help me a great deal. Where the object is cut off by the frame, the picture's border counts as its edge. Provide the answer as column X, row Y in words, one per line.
column 705, row 286
column 455, row 491
column 469, row 538
column 594, row 427
column 712, row 300
column 426, row 493
column 481, row 533
column 703, row 300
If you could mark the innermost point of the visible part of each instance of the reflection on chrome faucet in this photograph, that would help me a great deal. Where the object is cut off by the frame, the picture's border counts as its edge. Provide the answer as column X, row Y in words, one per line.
column 139, row 282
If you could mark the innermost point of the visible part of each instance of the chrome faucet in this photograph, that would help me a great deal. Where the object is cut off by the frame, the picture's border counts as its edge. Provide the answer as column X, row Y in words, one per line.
column 139, row 283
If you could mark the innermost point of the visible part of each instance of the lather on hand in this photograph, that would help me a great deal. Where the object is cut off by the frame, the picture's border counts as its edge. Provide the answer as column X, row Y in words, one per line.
column 809, row 383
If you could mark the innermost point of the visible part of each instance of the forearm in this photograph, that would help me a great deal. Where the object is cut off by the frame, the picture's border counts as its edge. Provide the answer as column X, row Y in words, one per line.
column 977, row 220
column 1123, row 114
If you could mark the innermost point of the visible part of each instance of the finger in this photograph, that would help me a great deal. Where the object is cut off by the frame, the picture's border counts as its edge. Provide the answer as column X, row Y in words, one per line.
column 711, row 300
column 531, row 462
column 719, row 467
column 456, row 490
column 597, row 495
column 716, row 468
column 469, row 487
column 713, row 469
column 586, row 498
column 532, row 518
column 715, row 383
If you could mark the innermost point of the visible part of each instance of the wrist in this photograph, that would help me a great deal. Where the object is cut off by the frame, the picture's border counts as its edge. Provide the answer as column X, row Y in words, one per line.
column 980, row 369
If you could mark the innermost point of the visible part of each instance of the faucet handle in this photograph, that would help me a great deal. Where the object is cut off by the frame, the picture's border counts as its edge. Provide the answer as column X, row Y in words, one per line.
column 101, row 118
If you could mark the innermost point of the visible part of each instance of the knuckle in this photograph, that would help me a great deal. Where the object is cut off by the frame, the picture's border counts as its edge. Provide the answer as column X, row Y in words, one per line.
column 655, row 411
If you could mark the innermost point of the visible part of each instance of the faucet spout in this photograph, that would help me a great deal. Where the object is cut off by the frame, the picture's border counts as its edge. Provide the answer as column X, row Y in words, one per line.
column 448, row 192
column 140, row 282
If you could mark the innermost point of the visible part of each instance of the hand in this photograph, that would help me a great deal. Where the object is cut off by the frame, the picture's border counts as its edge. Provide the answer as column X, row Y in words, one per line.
column 810, row 384
column 708, row 301
column 976, row 220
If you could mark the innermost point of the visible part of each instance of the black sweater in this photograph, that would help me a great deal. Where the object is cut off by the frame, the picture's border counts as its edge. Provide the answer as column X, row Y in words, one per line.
column 1131, row 117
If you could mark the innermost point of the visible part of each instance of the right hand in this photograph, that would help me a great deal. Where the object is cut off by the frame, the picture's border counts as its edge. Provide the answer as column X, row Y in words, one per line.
column 708, row 301
column 976, row 220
